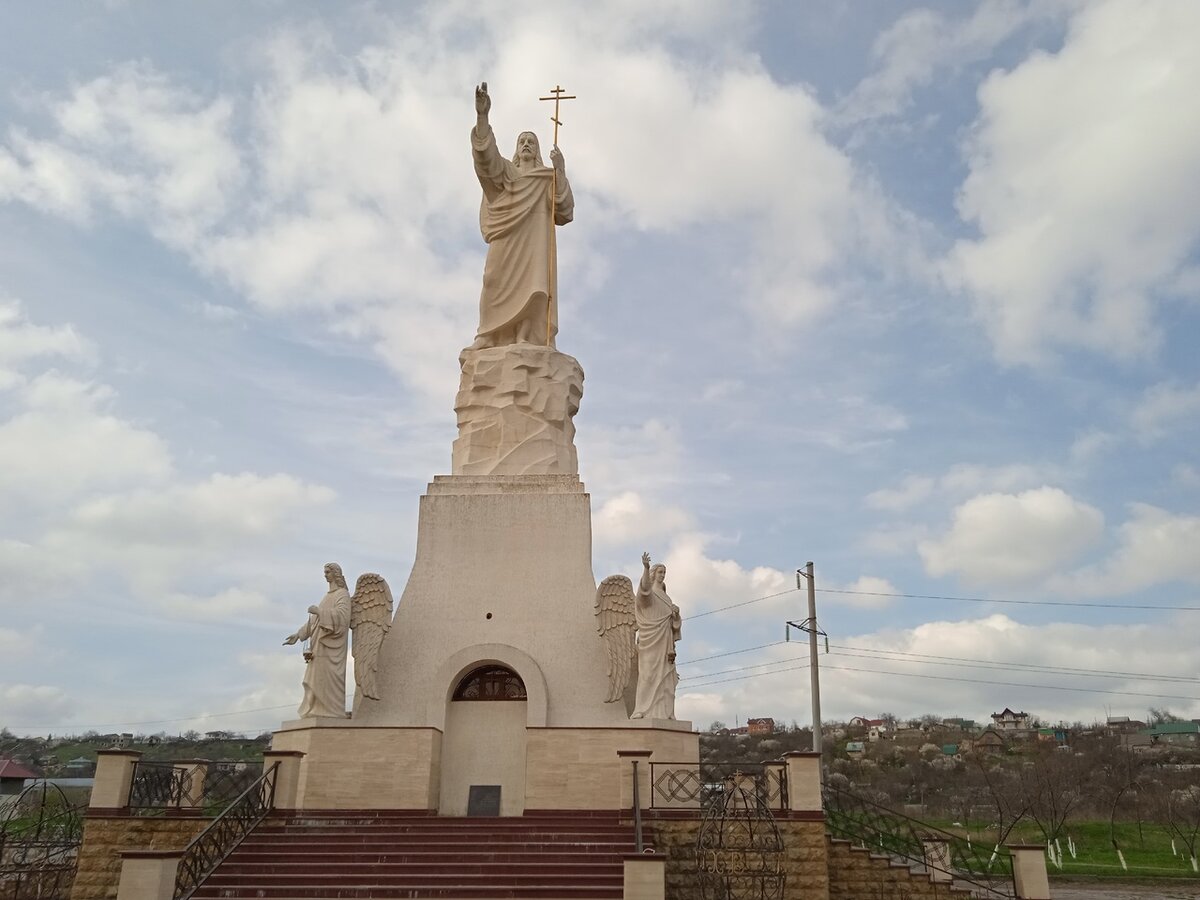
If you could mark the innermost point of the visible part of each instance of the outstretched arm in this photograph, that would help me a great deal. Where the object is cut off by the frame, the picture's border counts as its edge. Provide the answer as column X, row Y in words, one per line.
column 644, row 586
column 483, row 105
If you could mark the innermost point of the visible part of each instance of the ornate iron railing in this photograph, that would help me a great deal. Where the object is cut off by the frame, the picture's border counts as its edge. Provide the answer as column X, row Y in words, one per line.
column 700, row 786
column 40, row 833
column 226, row 831
column 739, row 851
column 164, row 785
column 982, row 869
column 159, row 786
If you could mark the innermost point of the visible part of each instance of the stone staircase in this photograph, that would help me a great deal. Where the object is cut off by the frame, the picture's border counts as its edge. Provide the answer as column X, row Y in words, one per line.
column 859, row 874
column 394, row 854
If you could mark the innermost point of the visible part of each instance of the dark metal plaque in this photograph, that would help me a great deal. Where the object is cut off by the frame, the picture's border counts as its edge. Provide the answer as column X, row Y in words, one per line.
column 484, row 800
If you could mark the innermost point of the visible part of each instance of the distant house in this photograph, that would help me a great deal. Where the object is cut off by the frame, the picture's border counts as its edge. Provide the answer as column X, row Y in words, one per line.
column 990, row 741
column 12, row 777
column 960, row 723
column 1123, row 725
column 80, row 767
column 855, row 749
column 1184, row 734
column 1056, row 735
column 760, row 726
column 1010, row 721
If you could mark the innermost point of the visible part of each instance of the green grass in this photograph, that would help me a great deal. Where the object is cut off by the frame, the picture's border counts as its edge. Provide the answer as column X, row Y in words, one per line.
column 1147, row 853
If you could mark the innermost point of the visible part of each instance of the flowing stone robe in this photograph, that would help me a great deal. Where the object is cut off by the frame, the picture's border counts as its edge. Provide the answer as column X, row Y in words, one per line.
column 514, row 217
column 658, row 625
column 325, row 674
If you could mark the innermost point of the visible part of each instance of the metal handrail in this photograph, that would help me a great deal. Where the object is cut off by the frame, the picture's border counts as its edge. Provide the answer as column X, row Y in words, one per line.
column 209, row 848
column 983, row 870
column 637, row 810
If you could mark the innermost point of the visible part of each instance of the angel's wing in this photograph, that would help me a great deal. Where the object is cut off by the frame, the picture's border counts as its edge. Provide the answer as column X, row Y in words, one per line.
column 370, row 620
column 617, row 622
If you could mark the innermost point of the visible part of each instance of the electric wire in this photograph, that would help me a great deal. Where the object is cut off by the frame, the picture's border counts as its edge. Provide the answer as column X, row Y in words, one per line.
column 1017, row 602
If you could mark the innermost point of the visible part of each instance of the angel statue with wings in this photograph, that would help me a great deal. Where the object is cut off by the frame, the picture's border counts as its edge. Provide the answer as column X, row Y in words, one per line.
column 367, row 616
column 650, row 657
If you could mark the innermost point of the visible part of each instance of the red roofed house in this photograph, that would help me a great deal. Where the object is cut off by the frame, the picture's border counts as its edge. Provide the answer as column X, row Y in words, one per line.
column 12, row 776
column 760, row 726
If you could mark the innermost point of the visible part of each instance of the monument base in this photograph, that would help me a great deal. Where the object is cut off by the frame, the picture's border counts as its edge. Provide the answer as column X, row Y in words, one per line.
column 347, row 766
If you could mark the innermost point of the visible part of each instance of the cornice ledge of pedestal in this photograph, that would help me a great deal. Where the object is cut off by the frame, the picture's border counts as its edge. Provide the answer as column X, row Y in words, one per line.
column 505, row 484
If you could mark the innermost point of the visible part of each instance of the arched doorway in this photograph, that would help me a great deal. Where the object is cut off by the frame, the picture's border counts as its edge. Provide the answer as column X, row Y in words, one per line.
column 483, row 744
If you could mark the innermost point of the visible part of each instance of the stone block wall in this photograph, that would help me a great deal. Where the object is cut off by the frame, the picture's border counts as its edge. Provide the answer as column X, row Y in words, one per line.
column 804, row 862
column 104, row 837
column 858, row 874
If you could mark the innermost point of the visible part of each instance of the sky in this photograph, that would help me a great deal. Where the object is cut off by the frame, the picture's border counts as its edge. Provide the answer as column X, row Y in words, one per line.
column 908, row 290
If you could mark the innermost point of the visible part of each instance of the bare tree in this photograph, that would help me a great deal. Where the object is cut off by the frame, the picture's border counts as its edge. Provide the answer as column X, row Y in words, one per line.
column 1004, row 796
column 1052, row 785
column 1177, row 806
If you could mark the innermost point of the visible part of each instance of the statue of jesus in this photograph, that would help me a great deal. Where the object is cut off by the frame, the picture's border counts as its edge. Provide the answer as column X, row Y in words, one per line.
column 520, row 275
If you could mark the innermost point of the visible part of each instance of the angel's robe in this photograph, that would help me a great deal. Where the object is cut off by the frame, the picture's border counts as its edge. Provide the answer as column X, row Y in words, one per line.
column 325, row 674
column 514, row 217
column 658, row 624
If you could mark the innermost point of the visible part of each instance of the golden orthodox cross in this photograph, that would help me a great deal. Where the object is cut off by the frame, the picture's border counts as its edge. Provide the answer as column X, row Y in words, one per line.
column 557, row 94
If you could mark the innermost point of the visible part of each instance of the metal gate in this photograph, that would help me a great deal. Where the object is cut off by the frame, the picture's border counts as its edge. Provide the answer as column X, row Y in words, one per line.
column 40, row 833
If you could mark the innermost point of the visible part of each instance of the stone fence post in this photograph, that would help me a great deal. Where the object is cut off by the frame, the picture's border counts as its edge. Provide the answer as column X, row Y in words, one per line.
column 114, row 777
column 645, row 877
column 804, row 780
column 148, row 874
column 287, row 776
column 936, row 851
column 1029, row 871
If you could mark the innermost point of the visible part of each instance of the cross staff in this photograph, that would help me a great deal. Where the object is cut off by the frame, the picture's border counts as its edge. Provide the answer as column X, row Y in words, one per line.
column 557, row 95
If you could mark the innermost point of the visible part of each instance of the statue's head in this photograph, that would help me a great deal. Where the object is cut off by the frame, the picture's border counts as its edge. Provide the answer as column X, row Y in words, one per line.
column 528, row 149
column 658, row 575
column 333, row 574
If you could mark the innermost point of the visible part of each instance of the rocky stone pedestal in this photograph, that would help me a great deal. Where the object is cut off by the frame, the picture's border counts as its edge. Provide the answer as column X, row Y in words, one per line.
column 516, row 405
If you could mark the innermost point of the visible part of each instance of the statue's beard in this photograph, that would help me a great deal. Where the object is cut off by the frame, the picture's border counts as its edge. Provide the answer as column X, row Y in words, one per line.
column 524, row 161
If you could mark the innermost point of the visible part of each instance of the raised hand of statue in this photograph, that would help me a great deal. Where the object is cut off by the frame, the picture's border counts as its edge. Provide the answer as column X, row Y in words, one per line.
column 483, row 103
column 646, row 561
column 556, row 159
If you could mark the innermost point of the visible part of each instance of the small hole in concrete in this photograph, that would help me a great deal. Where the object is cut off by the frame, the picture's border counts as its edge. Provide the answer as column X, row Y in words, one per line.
column 489, row 615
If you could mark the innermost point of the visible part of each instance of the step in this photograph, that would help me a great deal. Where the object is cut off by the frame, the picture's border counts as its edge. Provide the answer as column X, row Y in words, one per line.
column 232, row 871
column 244, row 858
column 414, row 890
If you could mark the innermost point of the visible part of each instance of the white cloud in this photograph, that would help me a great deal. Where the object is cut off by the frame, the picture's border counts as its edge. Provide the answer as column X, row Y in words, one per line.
column 629, row 517
column 961, row 479
column 865, row 593
column 913, row 489
column 352, row 195
column 1076, row 163
column 1186, row 475
column 1012, row 539
column 1163, row 406
column 34, row 704
column 910, row 52
column 1153, row 547
column 698, row 582
column 970, row 667
column 22, row 340
column 65, row 441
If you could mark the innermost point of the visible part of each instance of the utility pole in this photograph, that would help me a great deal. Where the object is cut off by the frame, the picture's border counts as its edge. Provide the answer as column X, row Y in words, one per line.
column 810, row 625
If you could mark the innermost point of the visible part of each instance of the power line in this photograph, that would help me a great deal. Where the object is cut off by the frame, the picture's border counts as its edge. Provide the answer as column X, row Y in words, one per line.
column 743, row 603
column 728, row 653
column 194, row 718
column 1018, row 602
column 1015, row 666
column 1024, row 684
column 778, row 662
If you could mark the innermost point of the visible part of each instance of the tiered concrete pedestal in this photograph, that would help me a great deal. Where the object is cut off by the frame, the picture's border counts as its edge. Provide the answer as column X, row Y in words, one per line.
column 502, row 576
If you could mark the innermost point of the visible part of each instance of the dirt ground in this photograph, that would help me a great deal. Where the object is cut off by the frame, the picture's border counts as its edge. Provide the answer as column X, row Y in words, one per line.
column 1101, row 889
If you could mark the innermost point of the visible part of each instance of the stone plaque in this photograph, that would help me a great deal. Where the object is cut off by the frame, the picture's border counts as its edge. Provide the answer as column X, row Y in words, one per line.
column 484, row 800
